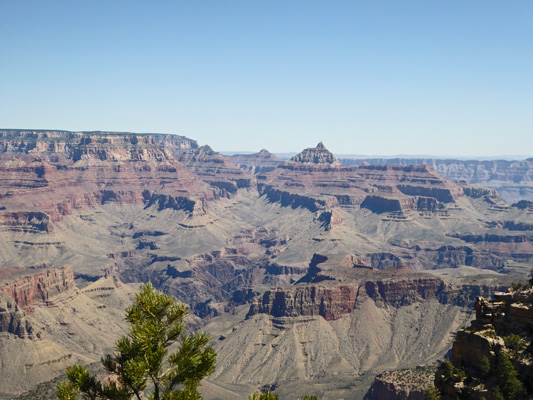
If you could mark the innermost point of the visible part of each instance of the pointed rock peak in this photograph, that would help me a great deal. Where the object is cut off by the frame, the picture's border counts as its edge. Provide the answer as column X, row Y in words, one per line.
column 316, row 155
column 206, row 149
column 264, row 153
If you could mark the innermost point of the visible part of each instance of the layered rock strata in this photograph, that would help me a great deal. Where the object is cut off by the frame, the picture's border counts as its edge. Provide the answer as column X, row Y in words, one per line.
column 41, row 288
column 56, row 172
column 513, row 179
column 315, row 179
column 331, row 300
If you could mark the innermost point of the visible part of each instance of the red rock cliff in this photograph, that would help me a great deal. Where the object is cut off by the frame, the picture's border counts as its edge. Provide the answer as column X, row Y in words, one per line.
column 47, row 287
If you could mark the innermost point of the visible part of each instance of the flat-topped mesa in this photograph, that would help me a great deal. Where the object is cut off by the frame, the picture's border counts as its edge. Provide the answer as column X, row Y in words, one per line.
column 56, row 172
column 98, row 144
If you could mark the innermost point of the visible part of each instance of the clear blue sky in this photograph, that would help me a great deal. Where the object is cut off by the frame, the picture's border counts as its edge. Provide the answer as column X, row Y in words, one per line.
column 366, row 77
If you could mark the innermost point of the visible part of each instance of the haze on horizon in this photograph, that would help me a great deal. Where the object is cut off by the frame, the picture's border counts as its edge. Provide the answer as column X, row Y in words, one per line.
column 366, row 77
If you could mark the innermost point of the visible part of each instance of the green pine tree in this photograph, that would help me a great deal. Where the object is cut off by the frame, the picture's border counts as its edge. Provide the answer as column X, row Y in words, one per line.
column 142, row 366
column 268, row 395
column 510, row 385
column 432, row 393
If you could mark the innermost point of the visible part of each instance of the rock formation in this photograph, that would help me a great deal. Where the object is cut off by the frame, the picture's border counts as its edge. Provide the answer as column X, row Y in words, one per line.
column 318, row 155
column 512, row 179
column 494, row 353
column 41, row 288
column 409, row 384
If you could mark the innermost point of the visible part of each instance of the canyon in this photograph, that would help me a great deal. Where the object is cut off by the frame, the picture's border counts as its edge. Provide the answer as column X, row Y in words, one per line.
column 309, row 274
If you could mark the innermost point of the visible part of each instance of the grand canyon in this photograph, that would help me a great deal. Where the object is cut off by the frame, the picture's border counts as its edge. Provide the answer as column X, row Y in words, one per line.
column 312, row 275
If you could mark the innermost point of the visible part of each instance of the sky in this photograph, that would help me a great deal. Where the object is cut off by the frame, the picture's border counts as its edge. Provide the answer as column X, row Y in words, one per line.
column 372, row 77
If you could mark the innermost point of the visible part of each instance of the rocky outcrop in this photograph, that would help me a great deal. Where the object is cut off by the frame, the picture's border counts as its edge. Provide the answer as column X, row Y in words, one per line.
column 406, row 384
column 330, row 219
column 276, row 269
column 163, row 201
column 295, row 200
column 316, row 155
column 501, row 330
column 381, row 204
column 13, row 319
column 41, row 288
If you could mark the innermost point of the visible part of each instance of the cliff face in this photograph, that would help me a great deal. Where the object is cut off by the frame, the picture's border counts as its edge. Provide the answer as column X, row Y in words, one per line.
column 330, row 303
column 13, row 319
column 47, row 288
column 69, row 144
column 331, row 300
